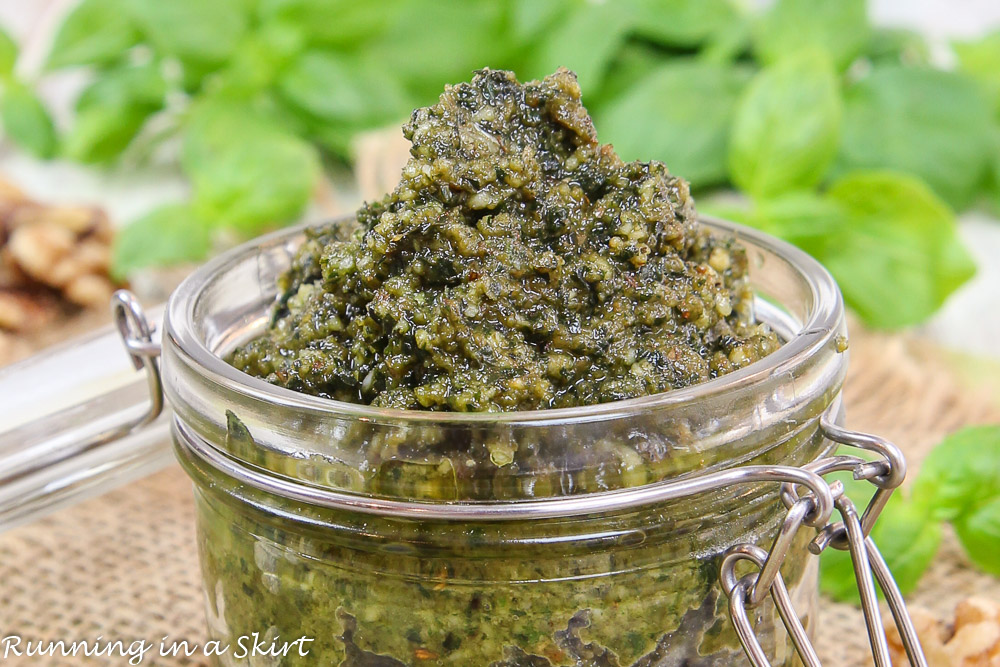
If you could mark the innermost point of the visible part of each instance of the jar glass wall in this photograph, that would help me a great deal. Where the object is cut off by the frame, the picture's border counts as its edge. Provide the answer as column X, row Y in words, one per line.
column 403, row 574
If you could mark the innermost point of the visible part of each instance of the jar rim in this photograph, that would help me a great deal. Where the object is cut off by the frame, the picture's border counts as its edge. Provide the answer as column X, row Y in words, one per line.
column 822, row 323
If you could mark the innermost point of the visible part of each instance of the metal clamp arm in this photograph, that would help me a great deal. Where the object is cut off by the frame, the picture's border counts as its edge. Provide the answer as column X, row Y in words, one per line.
column 75, row 421
column 851, row 534
column 137, row 336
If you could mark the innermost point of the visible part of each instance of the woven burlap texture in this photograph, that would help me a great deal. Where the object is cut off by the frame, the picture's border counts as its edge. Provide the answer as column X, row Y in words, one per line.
column 125, row 565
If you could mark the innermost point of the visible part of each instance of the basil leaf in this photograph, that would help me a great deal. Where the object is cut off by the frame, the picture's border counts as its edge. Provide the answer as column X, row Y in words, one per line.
column 979, row 533
column 906, row 536
column 836, row 576
column 898, row 238
column 340, row 88
column 992, row 184
column 786, row 129
column 8, row 55
column 729, row 42
column 198, row 30
column 337, row 138
column 889, row 46
column 258, row 60
column 112, row 110
column 680, row 113
column 100, row 134
column 634, row 61
column 960, row 481
column 806, row 219
column 931, row 123
column 908, row 539
column 529, row 18
column 467, row 35
column 334, row 23
column 96, row 32
column 683, row 23
column 126, row 84
column 26, row 121
column 247, row 172
column 839, row 27
column 585, row 42
column 169, row 235
column 961, row 473
column 981, row 61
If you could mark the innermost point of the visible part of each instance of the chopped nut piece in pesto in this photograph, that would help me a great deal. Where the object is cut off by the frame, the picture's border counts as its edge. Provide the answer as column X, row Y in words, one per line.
column 518, row 265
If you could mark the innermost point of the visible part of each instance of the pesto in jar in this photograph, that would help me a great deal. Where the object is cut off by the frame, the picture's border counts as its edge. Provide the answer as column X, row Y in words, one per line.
column 518, row 265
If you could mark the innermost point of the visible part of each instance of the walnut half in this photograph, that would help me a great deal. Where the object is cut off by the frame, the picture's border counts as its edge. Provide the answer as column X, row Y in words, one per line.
column 51, row 257
column 972, row 640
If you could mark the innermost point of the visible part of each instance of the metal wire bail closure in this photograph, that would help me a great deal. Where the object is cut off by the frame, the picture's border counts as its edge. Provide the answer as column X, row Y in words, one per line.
column 137, row 337
column 850, row 534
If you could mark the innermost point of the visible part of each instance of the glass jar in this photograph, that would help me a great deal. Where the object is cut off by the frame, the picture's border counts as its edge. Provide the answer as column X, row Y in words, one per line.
column 579, row 536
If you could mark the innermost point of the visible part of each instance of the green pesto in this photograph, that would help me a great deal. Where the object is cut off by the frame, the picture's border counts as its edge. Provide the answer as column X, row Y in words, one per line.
column 637, row 589
column 518, row 265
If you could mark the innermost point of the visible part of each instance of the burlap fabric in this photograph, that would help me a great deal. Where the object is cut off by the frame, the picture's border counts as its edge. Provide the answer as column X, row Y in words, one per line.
column 125, row 565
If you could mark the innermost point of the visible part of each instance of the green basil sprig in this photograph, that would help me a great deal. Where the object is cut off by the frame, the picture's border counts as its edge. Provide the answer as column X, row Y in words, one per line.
column 786, row 104
column 958, row 483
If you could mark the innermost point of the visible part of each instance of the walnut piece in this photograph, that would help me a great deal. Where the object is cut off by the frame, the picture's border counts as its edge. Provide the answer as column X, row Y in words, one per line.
column 972, row 640
column 52, row 259
column 24, row 309
column 12, row 348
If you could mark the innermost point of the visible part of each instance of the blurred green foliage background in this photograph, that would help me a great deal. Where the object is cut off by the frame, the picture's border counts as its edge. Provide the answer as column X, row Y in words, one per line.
column 844, row 138
column 840, row 137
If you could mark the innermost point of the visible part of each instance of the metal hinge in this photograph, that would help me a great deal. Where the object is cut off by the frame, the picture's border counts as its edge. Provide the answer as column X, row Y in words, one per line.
column 851, row 533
